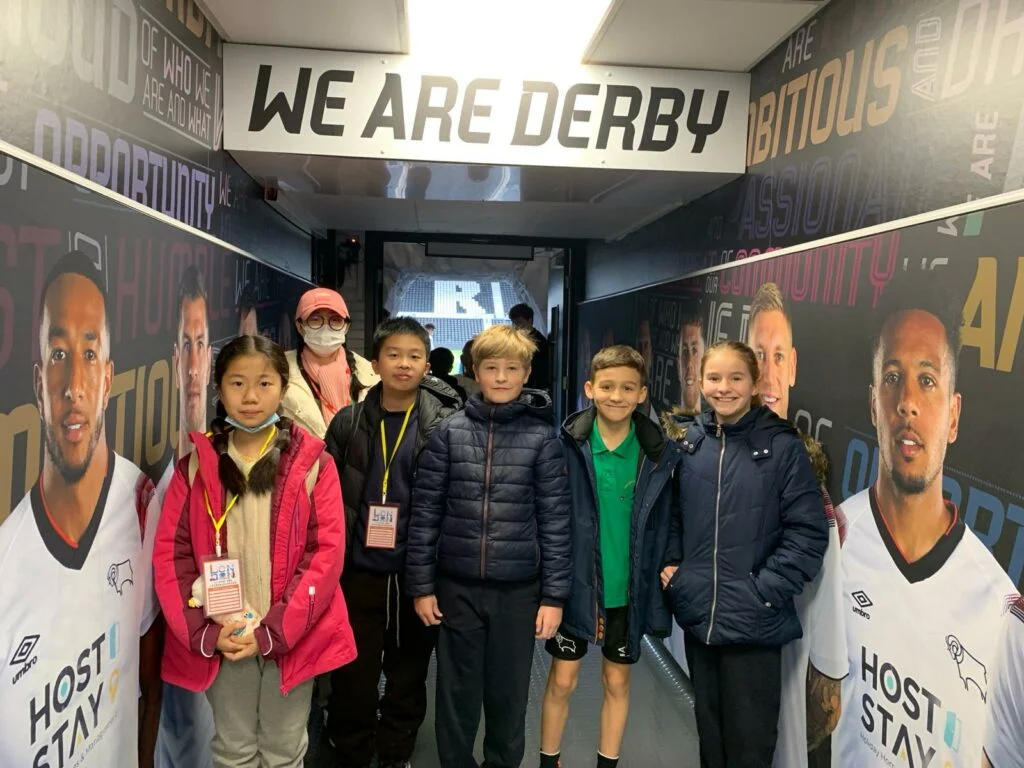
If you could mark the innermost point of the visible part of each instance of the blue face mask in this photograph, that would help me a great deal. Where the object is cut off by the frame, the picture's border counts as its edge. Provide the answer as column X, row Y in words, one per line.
column 274, row 418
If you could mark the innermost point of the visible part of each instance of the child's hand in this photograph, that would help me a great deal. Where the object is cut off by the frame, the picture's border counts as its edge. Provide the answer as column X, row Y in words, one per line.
column 427, row 610
column 548, row 619
column 248, row 648
column 227, row 644
column 666, row 575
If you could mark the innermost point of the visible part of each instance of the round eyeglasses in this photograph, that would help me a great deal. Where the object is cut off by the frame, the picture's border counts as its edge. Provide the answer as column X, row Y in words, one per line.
column 336, row 323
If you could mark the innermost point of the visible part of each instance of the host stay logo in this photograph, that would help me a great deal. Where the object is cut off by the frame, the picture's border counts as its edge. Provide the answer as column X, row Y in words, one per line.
column 861, row 602
column 23, row 657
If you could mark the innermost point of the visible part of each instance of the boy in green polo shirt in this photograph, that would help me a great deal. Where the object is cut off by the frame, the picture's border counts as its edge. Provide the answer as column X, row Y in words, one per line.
column 621, row 473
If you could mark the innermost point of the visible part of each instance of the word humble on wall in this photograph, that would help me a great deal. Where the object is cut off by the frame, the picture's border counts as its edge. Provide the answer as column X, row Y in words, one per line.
column 365, row 106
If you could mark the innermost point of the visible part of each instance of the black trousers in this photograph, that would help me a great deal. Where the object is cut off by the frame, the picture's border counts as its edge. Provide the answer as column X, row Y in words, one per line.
column 484, row 656
column 737, row 690
column 389, row 637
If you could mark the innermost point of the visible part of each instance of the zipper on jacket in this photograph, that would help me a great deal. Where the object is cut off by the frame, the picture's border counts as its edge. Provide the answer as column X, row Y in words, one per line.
column 714, row 565
column 487, row 498
column 312, row 603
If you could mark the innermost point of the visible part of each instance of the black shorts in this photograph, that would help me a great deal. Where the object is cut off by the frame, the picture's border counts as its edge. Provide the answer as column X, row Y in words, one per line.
column 568, row 647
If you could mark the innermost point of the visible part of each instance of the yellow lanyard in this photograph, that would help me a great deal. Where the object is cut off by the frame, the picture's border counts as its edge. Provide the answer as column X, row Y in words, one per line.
column 218, row 524
column 384, row 452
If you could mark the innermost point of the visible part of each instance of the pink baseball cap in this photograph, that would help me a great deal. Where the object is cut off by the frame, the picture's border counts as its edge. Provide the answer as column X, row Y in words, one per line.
column 320, row 298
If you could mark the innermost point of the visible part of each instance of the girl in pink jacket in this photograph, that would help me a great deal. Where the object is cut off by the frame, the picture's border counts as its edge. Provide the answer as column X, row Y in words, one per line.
column 247, row 561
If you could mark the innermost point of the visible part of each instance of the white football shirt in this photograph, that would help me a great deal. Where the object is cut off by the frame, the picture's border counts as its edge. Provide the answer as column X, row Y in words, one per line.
column 922, row 642
column 69, row 638
column 1004, row 735
column 820, row 609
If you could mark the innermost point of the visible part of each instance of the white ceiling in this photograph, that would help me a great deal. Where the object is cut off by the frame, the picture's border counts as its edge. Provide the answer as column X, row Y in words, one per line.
column 344, row 194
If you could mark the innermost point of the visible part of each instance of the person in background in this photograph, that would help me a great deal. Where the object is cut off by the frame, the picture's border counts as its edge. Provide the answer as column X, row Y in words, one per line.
column 186, row 723
column 376, row 445
column 521, row 316
column 430, row 328
column 490, row 553
column 620, row 472
column 325, row 374
column 466, row 379
column 441, row 363
column 752, row 531
column 813, row 666
column 287, row 542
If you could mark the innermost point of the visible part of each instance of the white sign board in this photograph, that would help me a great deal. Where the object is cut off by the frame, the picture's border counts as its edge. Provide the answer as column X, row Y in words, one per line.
column 370, row 105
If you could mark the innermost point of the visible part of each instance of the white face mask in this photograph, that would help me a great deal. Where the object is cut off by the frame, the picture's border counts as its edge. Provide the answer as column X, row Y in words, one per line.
column 324, row 341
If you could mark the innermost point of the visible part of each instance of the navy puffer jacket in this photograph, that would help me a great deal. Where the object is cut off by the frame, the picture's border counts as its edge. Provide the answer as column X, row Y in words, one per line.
column 752, row 531
column 653, row 506
column 491, row 500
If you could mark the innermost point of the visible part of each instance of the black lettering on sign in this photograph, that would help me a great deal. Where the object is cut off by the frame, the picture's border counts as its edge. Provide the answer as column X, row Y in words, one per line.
column 390, row 96
column 700, row 130
column 571, row 115
column 471, row 109
column 523, row 139
column 668, row 120
column 611, row 120
column 322, row 102
column 290, row 114
column 442, row 113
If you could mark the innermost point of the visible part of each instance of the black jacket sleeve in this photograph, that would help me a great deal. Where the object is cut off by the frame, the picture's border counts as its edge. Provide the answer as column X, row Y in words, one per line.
column 798, row 556
column 340, row 434
column 674, row 548
column 427, row 509
column 554, row 510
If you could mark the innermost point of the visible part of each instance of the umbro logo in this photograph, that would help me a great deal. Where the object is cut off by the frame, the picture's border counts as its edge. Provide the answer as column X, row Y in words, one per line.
column 23, row 657
column 861, row 603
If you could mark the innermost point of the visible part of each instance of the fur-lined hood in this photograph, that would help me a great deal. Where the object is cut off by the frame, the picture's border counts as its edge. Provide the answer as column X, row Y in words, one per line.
column 677, row 420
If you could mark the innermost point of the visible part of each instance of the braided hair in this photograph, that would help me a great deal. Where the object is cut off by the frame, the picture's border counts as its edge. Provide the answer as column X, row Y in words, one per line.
column 261, row 478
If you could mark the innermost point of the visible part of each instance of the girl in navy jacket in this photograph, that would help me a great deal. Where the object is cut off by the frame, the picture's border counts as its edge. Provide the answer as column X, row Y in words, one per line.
column 751, row 532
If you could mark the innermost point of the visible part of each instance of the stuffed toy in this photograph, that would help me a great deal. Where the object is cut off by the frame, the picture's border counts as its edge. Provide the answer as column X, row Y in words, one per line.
column 248, row 615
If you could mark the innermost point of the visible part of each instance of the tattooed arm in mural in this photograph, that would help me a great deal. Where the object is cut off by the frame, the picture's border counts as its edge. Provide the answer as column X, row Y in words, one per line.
column 824, row 705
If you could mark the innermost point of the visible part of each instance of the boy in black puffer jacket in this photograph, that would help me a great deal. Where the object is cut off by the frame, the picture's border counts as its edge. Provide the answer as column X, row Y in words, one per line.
column 376, row 445
column 489, row 555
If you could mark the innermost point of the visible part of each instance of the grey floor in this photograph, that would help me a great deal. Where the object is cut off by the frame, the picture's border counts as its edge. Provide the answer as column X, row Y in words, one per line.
column 661, row 732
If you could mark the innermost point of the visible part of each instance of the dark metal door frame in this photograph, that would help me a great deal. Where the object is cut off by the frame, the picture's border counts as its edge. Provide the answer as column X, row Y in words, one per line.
column 572, row 293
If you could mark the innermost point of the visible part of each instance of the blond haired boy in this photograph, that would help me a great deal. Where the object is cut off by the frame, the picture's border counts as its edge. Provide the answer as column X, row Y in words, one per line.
column 489, row 552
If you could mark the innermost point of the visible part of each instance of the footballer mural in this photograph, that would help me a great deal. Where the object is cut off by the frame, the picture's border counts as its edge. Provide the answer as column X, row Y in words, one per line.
column 111, row 321
column 908, row 358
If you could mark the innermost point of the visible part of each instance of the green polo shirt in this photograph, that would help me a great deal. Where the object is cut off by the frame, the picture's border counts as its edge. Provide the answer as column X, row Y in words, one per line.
column 615, row 472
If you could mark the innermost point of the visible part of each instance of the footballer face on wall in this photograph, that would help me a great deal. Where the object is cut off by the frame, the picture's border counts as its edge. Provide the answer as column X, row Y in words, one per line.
column 913, row 406
column 770, row 337
column 691, row 350
column 73, row 377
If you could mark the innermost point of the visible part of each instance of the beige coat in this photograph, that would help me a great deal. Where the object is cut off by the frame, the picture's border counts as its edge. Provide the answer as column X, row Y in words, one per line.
column 299, row 403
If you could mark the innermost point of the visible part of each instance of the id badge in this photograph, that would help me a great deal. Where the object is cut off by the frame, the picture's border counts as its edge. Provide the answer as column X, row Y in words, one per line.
column 222, row 586
column 382, row 526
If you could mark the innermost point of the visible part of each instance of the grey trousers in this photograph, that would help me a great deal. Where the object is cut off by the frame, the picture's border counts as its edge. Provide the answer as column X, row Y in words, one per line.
column 255, row 726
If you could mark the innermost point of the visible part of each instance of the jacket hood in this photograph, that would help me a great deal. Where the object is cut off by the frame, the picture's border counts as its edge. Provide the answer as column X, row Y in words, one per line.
column 761, row 421
column 580, row 425
column 430, row 386
column 676, row 421
column 303, row 451
column 533, row 402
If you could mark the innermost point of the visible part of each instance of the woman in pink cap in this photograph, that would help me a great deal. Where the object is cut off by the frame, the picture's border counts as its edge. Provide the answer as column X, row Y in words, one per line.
column 324, row 375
